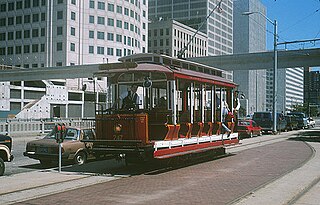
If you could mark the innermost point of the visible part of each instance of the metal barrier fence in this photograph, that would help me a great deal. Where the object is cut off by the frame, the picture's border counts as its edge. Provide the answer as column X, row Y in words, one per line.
column 40, row 126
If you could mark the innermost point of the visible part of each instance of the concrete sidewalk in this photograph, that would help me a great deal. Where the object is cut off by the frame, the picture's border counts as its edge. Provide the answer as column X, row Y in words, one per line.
column 301, row 186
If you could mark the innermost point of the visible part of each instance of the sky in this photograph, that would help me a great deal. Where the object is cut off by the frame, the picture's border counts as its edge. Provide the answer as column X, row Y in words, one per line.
column 296, row 19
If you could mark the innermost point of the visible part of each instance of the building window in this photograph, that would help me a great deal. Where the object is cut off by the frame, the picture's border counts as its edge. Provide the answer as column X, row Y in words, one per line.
column 43, row 2
column 72, row 47
column 10, row 6
column 73, row 31
column 119, row 23
column 60, row 1
column 2, row 51
column 118, row 52
column 91, row 4
column 10, row 35
column 73, row 2
column 18, row 49
column 101, row 20
column 59, row 30
column 3, row 7
column 26, row 33
column 58, row 64
column 110, row 7
column 18, row 35
column 26, row 19
column 126, row 25
column 27, row 3
column 91, row 49
column 110, row 51
column 119, row 9
column 26, row 49
column 59, row 46
column 35, row 3
column 100, row 50
column 42, row 47
column 100, row 35
column 91, row 19
column 131, row 27
column 35, row 48
column 43, row 31
column 3, row 36
column 19, row 5
column 110, row 22
column 10, row 50
column 3, row 22
column 18, row 19
column 110, row 36
column 126, row 11
column 119, row 38
column 60, row 15
column 91, row 34
column 35, row 32
column 132, row 13
column 73, row 15
column 43, row 16
column 10, row 20
column 101, row 5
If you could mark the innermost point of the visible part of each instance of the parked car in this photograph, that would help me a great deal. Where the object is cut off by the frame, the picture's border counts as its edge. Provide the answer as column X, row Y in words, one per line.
column 301, row 118
column 46, row 150
column 248, row 128
column 265, row 121
column 292, row 122
column 311, row 122
column 5, row 151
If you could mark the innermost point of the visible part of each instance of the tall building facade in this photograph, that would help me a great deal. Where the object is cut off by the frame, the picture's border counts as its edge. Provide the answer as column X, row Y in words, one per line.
column 218, row 25
column 46, row 33
column 312, row 88
column 249, row 35
column 290, row 89
column 170, row 37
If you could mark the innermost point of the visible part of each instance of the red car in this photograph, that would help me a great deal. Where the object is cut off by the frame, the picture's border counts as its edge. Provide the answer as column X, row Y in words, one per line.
column 248, row 128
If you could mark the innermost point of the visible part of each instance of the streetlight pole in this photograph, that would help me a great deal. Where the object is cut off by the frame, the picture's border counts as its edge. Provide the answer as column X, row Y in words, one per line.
column 275, row 66
column 275, row 76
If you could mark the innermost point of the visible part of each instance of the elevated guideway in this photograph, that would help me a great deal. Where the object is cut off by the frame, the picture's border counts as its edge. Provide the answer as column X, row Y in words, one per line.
column 263, row 60
column 247, row 61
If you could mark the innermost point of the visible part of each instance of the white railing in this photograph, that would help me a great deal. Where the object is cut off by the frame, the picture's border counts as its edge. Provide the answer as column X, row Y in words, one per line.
column 40, row 126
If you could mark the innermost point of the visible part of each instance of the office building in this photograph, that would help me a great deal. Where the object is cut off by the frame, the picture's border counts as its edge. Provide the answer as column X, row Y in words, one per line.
column 312, row 88
column 48, row 33
column 218, row 26
column 170, row 37
column 249, row 36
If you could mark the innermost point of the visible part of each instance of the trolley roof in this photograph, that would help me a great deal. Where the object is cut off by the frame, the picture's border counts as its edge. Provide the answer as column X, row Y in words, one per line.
column 172, row 67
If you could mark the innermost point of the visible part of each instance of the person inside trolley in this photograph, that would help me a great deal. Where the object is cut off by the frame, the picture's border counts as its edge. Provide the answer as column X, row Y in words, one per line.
column 129, row 100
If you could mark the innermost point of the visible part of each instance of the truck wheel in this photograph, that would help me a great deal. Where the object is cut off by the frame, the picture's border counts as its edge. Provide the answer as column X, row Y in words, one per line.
column 80, row 158
column 2, row 166
column 45, row 162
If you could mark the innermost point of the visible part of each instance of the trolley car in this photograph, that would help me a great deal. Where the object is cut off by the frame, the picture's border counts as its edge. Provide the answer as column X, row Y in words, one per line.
column 180, row 110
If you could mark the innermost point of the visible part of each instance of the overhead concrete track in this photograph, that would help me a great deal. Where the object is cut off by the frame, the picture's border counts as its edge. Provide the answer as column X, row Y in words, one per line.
column 248, row 61
column 263, row 60
column 9, row 73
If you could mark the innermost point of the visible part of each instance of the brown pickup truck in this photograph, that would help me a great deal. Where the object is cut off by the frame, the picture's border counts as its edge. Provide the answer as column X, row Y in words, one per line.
column 46, row 150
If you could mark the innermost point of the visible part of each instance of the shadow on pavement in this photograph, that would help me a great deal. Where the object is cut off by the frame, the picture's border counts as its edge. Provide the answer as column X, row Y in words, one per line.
column 309, row 136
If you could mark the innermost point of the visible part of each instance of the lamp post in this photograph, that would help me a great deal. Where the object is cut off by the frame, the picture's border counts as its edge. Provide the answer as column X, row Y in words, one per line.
column 275, row 66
